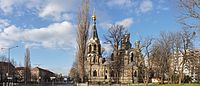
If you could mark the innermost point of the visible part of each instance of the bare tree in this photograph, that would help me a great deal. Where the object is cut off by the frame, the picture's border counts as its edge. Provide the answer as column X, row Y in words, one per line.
column 190, row 13
column 20, row 64
column 186, row 45
column 171, row 54
column 83, row 23
column 3, row 58
column 13, row 62
column 114, row 37
column 147, row 48
column 160, row 57
column 115, row 34
column 165, row 49
column 190, row 18
column 27, row 66
column 174, row 58
column 73, row 73
column 155, row 60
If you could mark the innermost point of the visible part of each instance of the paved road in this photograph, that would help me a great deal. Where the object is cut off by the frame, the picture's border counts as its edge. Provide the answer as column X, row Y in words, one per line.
column 47, row 85
column 61, row 85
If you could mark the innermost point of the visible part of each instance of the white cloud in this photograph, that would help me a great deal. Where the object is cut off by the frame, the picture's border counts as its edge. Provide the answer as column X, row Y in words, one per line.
column 11, row 33
column 57, row 9
column 162, row 6
column 121, row 3
column 105, row 25
column 37, row 4
column 8, row 34
column 146, row 6
column 6, row 5
column 57, row 35
column 3, row 24
column 126, row 22
column 51, row 9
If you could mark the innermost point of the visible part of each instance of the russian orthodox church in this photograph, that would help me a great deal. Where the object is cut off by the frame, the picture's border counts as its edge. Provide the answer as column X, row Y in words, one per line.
column 100, row 70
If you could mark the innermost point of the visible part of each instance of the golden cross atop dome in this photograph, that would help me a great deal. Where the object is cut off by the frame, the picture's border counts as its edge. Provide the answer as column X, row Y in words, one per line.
column 94, row 15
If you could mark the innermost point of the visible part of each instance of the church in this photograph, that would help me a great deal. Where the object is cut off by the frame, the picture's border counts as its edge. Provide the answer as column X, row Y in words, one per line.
column 105, row 70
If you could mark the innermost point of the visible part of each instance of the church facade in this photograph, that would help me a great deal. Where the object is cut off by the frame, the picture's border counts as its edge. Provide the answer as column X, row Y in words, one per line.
column 105, row 70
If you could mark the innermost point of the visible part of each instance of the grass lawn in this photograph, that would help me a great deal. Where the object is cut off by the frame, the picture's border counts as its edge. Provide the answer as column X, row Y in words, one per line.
column 135, row 85
column 174, row 85
column 33, row 85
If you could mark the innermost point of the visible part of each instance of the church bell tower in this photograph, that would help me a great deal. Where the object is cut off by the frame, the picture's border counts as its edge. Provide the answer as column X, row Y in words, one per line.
column 93, row 45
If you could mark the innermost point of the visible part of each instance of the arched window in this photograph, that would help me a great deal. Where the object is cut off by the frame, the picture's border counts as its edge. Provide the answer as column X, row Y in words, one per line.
column 106, row 77
column 135, row 74
column 95, row 46
column 112, row 57
column 132, row 56
column 94, row 59
column 94, row 73
column 90, row 48
column 99, row 49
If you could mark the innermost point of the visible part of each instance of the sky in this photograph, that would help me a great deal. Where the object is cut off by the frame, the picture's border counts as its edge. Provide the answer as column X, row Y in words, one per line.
column 48, row 27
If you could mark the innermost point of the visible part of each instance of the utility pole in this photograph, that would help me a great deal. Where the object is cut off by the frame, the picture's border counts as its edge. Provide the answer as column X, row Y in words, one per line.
column 8, row 72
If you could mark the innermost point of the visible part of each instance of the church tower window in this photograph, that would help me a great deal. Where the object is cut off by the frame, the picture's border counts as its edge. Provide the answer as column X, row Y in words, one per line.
column 106, row 77
column 135, row 74
column 90, row 48
column 95, row 47
column 94, row 59
column 94, row 73
column 132, row 56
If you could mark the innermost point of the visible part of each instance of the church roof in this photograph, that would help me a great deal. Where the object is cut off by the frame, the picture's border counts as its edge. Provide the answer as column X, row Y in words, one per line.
column 94, row 34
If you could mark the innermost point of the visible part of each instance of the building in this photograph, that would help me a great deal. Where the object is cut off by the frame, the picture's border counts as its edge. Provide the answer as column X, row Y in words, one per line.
column 6, row 71
column 41, row 75
column 195, row 68
column 101, row 70
column 19, row 74
column 191, row 67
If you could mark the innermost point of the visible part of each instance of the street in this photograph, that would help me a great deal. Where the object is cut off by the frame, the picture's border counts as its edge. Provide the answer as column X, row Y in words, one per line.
column 56, row 84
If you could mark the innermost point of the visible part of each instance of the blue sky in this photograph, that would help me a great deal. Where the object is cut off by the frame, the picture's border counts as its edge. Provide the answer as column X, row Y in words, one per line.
column 48, row 27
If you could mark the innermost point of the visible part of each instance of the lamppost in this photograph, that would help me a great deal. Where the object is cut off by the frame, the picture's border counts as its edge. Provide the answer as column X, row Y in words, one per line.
column 8, row 77
column 9, row 57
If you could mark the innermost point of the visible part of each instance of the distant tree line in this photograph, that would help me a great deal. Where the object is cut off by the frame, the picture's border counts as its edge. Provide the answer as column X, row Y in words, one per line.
column 3, row 58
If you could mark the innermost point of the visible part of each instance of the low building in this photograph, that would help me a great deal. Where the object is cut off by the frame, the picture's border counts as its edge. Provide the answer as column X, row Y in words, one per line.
column 195, row 69
column 41, row 75
column 191, row 67
column 19, row 74
column 7, row 71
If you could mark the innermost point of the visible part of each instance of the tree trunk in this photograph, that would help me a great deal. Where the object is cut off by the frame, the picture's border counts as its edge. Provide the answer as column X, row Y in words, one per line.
column 180, row 75
column 162, row 78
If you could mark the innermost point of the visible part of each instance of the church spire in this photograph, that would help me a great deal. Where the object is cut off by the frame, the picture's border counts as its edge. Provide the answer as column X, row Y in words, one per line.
column 94, row 30
column 94, row 17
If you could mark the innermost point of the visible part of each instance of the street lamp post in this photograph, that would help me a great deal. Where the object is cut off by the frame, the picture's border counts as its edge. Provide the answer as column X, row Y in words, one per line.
column 8, row 77
column 9, row 57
